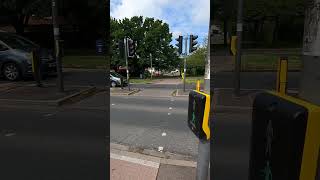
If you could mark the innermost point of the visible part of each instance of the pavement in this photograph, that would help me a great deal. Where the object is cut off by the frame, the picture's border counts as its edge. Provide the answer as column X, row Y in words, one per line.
column 125, row 165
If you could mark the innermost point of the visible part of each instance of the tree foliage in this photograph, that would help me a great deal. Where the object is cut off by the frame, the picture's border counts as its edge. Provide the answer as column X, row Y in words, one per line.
column 19, row 11
column 152, row 37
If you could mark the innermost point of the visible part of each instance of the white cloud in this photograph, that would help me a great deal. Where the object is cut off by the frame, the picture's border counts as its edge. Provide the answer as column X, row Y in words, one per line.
column 183, row 16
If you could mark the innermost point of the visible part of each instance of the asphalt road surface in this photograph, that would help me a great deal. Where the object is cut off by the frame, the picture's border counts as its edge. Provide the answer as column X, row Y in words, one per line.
column 41, row 143
column 152, row 123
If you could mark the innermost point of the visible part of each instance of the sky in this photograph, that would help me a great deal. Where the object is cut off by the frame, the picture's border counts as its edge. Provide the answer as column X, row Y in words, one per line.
column 184, row 17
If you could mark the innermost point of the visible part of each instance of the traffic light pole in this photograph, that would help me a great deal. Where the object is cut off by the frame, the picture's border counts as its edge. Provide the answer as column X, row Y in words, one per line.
column 126, row 58
column 309, row 82
column 237, row 66
column 56, row 33
column 151, row 64
column 203, row 162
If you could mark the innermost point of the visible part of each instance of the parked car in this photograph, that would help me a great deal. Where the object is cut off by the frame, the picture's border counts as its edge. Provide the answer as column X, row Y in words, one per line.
column 15, row 57
column 115, row 79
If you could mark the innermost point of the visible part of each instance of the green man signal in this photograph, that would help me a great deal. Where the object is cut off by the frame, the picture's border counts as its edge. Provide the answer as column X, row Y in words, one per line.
column 179, row 44
column 193, row 43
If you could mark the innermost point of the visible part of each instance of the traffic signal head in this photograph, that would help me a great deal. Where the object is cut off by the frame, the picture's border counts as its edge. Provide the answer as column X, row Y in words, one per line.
column 193, row 43
column 120, row 47
column 179, row 44
column 131, row 48
column 198, row 114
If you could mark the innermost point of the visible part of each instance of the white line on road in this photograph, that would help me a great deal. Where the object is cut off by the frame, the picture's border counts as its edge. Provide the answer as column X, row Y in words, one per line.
column 10, row 134
column 170, row 108
column 112, row 104
column 135, row 160
column 160, row 148
column 164, row 134
column 169, row 114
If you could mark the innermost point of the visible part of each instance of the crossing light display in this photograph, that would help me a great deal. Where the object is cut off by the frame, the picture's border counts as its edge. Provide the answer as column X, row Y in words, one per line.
column 285, row 138
column 179, row 44
column 198, row 114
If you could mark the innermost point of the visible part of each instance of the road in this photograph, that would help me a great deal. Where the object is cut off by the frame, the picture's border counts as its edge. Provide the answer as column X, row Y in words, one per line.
column 43, row 143
column 152, row 122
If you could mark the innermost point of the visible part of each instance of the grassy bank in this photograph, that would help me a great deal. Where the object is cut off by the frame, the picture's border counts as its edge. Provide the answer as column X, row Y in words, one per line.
column 268, row 63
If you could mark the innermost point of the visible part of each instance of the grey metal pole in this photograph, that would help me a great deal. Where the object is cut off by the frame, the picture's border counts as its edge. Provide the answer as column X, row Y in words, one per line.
column 237, row 66
column 56, row 33
column 309, row 79
column 203, row 162
column 126, row 58
column 151, row 64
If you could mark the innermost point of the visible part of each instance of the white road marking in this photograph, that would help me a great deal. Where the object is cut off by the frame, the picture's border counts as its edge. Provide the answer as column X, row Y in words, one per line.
column 112, row 104
column 170, row 107
column 135, row 160
column 10, row 134
column 169, row 114
column 164, row 134
column 160, row 148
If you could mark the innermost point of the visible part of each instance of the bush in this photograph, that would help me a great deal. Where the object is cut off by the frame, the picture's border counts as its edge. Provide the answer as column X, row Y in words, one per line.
column 146, row 74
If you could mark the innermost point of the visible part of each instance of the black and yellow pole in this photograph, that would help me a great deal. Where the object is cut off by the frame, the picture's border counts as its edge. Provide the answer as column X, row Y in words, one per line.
column 36, row 67
column 282, row 75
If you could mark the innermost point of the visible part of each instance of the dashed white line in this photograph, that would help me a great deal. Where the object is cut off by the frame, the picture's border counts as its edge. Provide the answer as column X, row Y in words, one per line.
column 10, row 134
column 164, row 134
column 160, row 148
column 169, row 114
column 170, row 108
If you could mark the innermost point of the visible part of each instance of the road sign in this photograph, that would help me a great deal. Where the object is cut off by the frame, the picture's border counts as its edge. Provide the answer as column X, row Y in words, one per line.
column 285, row 138
column 198, row 114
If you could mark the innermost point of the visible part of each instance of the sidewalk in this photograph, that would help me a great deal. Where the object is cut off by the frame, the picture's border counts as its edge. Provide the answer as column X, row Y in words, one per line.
column 126, row 165
column 30, row 94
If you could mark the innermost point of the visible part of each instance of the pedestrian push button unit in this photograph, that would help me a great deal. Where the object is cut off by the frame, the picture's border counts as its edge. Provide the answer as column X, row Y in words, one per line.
column 198, row 114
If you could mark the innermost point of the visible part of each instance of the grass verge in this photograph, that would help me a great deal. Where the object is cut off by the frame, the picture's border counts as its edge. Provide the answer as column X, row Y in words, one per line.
column 85, row 62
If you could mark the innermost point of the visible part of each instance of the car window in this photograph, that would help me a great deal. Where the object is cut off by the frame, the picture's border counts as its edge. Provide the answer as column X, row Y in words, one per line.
column 16, row 42
column 115, row 74
column 3, row 47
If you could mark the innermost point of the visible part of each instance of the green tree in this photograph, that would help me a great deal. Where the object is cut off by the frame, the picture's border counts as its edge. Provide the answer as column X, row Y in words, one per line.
column 152, row 37
column 19, row 11
column 196, row 61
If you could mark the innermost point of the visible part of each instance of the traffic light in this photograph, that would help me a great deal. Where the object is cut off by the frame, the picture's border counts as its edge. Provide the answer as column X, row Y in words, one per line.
column 284, row 138
column 193, row 43
column 120, row 47
column 198, row 114
column 179, row 44
column 131, row 48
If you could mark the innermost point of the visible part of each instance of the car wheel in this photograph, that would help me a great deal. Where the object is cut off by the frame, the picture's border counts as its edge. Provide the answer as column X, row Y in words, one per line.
column 113, row 84
column 11, row 71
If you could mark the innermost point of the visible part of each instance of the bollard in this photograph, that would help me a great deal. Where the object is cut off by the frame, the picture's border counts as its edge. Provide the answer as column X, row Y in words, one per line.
column 36, row 68
column 198, row 85
column 282, row 75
